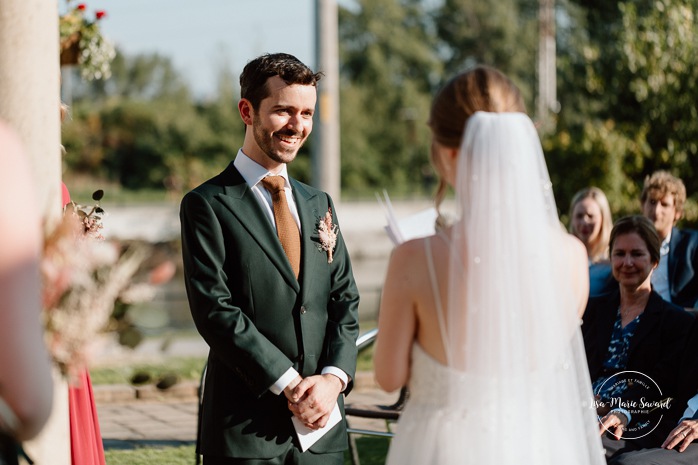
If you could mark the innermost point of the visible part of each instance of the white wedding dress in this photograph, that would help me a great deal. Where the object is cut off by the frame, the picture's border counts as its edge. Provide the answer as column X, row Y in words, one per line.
column 515, row 388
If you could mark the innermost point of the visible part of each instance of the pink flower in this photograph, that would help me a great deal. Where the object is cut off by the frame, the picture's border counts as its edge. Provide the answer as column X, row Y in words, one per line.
column 99, row 14
column 327, row 233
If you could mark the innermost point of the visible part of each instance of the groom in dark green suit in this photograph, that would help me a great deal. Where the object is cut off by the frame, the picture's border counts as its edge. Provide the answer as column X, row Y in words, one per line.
column 270, row 285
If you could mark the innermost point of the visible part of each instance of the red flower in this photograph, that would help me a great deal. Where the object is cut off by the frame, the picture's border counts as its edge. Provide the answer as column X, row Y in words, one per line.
column 99, row 14
column 81, row 6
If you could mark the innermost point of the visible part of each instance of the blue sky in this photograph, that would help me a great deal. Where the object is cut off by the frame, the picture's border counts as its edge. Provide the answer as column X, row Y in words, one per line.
column 204, row 36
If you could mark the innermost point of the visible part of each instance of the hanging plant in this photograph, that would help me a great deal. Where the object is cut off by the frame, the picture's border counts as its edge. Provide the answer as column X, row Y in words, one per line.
column 82, row 42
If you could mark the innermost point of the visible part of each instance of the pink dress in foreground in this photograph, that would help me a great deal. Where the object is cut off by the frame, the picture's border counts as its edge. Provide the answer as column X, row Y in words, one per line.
column 85, row 438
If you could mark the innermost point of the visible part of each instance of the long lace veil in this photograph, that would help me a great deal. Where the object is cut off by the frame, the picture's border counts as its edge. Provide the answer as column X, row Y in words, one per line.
column 513, row 329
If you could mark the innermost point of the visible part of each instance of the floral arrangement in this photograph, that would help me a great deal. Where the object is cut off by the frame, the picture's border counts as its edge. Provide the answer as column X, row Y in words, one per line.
column 327, row 231
column 84, row 277
column 82, row 42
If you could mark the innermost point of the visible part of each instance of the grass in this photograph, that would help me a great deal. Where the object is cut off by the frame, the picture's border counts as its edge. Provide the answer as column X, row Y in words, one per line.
column 365, row 360
column 181, row 455
column 186, row 369
column 372, row 451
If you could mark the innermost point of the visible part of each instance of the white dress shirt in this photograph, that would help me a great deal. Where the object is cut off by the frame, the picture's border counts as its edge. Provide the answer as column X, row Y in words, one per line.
column 253, row 173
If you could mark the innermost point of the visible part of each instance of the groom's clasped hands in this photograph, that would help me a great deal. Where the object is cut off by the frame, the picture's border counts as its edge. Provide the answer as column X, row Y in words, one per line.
column 312, row 399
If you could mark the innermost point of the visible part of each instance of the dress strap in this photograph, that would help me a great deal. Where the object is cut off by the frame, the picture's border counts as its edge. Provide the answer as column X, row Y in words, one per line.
column 437, row 294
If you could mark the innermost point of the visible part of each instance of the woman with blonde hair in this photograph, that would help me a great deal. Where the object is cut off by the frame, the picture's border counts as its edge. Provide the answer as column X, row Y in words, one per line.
column 481, row 320
column 591, row 222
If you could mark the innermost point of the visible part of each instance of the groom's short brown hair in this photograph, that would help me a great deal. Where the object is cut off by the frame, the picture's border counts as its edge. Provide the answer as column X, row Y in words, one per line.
column 253, row 80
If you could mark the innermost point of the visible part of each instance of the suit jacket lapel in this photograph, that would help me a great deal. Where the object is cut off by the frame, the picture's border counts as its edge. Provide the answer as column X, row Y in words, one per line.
column 308, row 215
column 673, row 259
column 244, row 206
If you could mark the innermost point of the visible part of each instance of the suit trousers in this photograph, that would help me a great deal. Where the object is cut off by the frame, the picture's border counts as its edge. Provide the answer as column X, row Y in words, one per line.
column 657, row 456
column 292, row 456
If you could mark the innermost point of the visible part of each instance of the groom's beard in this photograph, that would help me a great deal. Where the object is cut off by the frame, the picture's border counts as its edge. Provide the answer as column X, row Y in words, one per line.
column 274, row 148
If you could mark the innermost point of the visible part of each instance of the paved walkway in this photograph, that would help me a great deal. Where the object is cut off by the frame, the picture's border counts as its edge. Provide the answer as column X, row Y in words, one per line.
column 164, row 419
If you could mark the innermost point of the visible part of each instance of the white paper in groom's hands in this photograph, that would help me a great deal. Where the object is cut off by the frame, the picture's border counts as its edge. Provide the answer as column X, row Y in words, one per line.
column 307, row 437
column 420, row 224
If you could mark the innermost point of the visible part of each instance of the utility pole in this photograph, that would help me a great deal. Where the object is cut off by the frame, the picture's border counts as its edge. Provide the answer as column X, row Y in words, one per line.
column 326, row 157
column 547, row 82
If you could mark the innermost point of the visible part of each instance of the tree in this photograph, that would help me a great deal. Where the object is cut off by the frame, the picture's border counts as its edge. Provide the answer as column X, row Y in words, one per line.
column 142, row 129
column 636, row 90
column 389, row 70
column 502, row 34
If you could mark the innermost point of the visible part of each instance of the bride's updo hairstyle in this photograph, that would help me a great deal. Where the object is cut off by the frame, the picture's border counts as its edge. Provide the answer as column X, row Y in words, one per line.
column 481, row 88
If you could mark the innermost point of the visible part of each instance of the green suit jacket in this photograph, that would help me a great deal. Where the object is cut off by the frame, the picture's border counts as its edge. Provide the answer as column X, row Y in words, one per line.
column 257, row 318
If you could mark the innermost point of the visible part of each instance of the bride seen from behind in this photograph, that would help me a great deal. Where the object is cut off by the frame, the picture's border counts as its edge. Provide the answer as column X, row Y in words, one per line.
column 482, row 319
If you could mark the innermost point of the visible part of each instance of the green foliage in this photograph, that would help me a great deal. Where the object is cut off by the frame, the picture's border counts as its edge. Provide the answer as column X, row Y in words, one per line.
column 186, row 368
column 503, row 34
column 145, row 131
column 627, row 86
column 389, row 70
column 628, row 103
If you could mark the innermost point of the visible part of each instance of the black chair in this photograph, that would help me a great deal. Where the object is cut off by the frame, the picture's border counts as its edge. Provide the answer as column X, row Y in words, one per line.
column 389, row 413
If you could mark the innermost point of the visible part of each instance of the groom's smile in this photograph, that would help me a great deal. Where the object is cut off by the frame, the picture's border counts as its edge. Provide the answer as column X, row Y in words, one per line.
column 282, row 123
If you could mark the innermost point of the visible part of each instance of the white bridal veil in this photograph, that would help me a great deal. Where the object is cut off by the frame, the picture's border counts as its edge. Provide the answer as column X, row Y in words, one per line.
column 513, row 329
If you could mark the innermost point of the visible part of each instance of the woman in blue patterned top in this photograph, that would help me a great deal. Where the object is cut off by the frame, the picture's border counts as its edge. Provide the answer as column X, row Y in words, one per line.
column 633, row 340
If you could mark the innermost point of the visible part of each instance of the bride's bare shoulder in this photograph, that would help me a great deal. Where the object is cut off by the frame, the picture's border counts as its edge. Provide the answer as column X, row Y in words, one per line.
column 410, row 250
column 573, row 246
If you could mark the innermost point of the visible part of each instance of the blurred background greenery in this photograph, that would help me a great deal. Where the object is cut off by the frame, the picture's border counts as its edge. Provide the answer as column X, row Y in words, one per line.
column 627, row 88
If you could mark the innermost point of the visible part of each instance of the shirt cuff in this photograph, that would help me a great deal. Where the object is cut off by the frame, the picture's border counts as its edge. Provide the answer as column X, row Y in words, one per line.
column 691, row 408
column 281, row 383
column 343, row 377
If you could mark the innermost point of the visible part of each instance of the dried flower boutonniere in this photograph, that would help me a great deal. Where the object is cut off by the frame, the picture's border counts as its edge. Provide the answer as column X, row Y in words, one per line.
column 328, row 234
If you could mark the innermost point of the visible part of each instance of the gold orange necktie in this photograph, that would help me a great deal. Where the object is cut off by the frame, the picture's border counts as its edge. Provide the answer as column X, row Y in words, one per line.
column 286, row 227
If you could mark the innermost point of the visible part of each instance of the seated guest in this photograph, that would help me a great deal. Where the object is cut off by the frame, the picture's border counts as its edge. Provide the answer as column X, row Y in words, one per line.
column 678, row 447
column 634, row 330
column 676, row 278
column 591, row 223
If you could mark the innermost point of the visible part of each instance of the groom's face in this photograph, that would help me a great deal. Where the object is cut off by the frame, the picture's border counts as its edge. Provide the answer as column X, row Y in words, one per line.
column 284, row 119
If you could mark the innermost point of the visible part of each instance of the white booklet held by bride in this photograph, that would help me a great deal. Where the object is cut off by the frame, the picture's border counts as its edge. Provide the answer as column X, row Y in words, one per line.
column 307, row 437
column 420, row 224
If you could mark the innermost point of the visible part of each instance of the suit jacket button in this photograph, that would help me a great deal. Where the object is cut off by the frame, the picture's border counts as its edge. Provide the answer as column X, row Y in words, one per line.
column 303, row 310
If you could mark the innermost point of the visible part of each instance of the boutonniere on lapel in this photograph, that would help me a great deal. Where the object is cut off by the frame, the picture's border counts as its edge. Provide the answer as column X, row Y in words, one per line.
column 327, row 232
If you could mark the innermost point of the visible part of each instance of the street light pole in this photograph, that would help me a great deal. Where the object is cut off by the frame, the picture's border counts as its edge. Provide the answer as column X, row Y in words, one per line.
column 547, row 82
column 326, row 153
